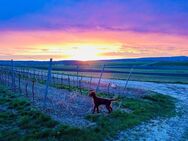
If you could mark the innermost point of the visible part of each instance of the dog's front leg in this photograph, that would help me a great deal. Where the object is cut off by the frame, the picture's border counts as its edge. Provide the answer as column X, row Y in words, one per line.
column 94, row 109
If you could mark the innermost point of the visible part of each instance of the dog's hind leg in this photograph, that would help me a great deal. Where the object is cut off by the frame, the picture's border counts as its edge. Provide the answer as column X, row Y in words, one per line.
column 97, row 109
column 111, row 109
column 108, row 108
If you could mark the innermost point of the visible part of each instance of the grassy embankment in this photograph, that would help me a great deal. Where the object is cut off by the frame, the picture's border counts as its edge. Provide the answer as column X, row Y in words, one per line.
column 20, row 121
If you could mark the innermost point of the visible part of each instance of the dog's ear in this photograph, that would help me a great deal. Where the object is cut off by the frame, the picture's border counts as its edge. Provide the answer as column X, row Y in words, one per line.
column 92, row 92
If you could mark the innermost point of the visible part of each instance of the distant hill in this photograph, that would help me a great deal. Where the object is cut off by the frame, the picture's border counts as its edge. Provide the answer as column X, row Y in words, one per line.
column 168, row 59
column 73, row 62
column 175, row 58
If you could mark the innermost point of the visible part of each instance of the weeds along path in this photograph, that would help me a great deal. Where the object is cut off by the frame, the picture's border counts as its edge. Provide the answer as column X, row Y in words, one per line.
column 172, row 129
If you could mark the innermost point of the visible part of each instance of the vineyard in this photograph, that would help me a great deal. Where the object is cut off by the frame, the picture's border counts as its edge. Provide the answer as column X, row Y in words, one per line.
column 63, row 95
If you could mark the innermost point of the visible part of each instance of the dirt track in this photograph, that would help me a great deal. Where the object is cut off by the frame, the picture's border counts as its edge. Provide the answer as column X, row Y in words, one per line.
column 172, row 129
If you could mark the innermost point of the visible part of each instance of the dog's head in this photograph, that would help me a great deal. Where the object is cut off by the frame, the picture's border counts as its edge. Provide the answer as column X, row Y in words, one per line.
column 92, row 93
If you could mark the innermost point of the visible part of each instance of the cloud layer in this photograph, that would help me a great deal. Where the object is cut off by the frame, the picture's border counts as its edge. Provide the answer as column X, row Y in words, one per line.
column 40, row 29
column 117, row 15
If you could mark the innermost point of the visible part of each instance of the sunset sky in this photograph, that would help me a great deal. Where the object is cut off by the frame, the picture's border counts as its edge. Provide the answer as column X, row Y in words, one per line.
column 92, row 29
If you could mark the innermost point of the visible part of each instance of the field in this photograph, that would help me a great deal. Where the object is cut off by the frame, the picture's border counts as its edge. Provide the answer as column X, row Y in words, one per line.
column 36, row 104
column 150, row 71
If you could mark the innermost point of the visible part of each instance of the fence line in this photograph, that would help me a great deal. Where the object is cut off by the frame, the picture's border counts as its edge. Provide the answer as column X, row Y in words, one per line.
column 48, row 81
column 59, row 80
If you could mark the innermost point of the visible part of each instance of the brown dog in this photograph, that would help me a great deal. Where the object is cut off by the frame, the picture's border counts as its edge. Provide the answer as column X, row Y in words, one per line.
column 100, row 101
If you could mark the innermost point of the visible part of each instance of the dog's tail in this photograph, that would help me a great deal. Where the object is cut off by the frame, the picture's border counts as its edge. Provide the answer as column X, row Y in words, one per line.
column 116, row 99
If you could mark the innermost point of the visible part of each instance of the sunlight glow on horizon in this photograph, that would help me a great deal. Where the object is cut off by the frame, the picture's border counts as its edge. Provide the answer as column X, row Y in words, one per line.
column 89, row 45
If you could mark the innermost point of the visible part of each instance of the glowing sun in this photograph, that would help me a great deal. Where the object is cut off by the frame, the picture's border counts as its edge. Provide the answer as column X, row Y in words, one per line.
column 84, row 53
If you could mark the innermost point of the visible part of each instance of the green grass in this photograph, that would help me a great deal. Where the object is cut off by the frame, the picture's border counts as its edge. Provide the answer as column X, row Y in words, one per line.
column 144, row 109
column 141, row 77
column 185, row 136
column 20, row 121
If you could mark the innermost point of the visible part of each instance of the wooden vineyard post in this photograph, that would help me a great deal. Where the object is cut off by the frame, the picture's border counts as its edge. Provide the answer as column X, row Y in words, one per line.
column 13, row 75
column 48, row 81
column 26, row 80
column 19, row 81
column 41, row 75
column 53, row 79
column 58, row 78
column 34, row 73
column 33, row 93
column 37, row 76
column 6, row 81
column 61, row 79
column 1, row 76
column 90, row 81
column 27, row 72
column 23, row 72
column 8, row 77
column 100, row 78
column 124, row 90
column 26, row 92
column 33, row 84
column 109, row 88
column 69, row 82
column 30, row 73
column 77, row 76
column 80, row 85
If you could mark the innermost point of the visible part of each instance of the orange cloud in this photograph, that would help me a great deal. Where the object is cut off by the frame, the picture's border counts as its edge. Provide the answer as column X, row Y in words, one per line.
column 73, row 44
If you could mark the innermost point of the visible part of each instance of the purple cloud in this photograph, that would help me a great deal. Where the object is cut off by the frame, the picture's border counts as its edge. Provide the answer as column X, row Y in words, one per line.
column 115, row 15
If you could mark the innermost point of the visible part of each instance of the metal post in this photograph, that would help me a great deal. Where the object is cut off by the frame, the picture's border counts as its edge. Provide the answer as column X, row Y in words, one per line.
column 109, row 88
column 13, row 76
column 100, row 78
column 127, row 80
column 90, row 81
column 61, row 79
column 69, row 82
column 26, row 91
column 33, row 93
column 48, row 81
column 77, row 77
column 8, row 78
column 80, row 84
column 19, row 81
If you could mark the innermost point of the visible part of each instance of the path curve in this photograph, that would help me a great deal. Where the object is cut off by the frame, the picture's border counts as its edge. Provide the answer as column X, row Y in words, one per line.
column 171, row 129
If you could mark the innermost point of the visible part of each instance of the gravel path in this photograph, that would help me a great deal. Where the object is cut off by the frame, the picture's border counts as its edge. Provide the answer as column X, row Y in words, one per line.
column 171, row 129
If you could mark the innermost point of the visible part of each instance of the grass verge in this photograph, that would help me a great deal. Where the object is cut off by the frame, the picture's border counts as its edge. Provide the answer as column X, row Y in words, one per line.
column 185, row 136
